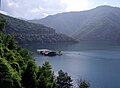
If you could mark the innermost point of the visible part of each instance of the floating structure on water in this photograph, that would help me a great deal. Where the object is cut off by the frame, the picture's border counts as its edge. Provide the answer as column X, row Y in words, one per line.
column 47, row 52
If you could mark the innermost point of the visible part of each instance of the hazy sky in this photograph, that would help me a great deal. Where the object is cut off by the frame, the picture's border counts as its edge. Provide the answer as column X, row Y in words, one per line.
column 36, row 9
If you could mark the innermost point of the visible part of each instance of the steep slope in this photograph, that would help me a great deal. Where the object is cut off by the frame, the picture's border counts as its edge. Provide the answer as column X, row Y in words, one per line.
column 64, row 22
column 103, row 25
column 100, row 23
column 26, row 32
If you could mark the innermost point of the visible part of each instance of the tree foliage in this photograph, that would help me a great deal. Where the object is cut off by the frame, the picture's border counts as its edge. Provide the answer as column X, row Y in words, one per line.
column 82, row 83
column 45, row 76
column 29, row 75
column 9, row 77
column 63, row 80
column 2, row 23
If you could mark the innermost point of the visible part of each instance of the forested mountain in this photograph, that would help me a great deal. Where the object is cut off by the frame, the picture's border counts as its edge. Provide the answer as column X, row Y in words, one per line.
column 26, row 32
column 99, row 24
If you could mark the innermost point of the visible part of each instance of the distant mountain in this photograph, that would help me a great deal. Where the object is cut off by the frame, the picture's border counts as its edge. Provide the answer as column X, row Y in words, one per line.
column 99, row 24
column 103, row 25
column 62, row 23
column 26, row 32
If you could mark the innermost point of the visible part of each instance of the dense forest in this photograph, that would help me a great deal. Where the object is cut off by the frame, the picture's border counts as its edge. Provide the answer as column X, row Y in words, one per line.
column 27, row 33
column 19, row 70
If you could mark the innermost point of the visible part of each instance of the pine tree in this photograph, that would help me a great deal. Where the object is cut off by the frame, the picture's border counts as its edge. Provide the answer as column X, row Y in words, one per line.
column 63, row 80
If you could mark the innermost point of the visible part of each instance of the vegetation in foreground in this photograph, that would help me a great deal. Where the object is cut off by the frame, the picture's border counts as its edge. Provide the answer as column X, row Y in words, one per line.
column 19, row 70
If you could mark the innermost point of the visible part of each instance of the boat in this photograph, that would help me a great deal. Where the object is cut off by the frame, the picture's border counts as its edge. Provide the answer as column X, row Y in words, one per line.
column 47, row 52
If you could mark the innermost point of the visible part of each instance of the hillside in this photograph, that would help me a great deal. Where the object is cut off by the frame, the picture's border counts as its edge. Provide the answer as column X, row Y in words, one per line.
column 98, row 24
column 64, row 22
column 27, row 33
column 103, row 25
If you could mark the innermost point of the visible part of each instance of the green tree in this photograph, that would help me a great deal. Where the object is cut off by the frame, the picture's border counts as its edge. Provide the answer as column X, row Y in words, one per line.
column 45, row 76
column 29, row 75
column 63, row 80
column 11, row 43
column 2, row 24
column 9, row 78
column 82, row 83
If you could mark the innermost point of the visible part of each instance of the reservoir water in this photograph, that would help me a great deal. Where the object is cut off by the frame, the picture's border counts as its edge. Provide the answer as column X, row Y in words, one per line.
column 99, row 64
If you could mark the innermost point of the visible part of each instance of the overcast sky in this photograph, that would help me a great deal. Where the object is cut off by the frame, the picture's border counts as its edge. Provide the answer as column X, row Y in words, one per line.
column 36, row 9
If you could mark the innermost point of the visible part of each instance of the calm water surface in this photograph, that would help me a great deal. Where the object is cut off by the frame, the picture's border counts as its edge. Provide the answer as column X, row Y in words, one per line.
column 99, row 64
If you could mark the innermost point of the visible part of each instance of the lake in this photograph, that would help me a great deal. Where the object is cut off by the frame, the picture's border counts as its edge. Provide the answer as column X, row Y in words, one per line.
column 99, row 64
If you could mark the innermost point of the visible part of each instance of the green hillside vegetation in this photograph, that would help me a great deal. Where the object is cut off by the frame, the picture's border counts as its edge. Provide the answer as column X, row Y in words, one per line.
column 19, row 70
column 98, row 24
column 26, row 32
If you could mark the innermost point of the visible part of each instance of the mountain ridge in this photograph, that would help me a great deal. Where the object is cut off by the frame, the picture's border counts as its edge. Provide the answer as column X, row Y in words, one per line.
column 26, row 32
column 98, row 24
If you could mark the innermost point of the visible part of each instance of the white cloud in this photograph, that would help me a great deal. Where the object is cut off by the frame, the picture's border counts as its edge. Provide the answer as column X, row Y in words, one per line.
column 36, row 10
column 76, row 5
column 32, row 9
column 13, row 4
column 45, row 14
column 105, row 3
column 3, row 12
column 42, row 12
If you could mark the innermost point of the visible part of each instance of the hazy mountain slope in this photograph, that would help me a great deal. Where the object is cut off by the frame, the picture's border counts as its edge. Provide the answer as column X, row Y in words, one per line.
column 101, row 23
column 63, row 23
column 26, row 32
